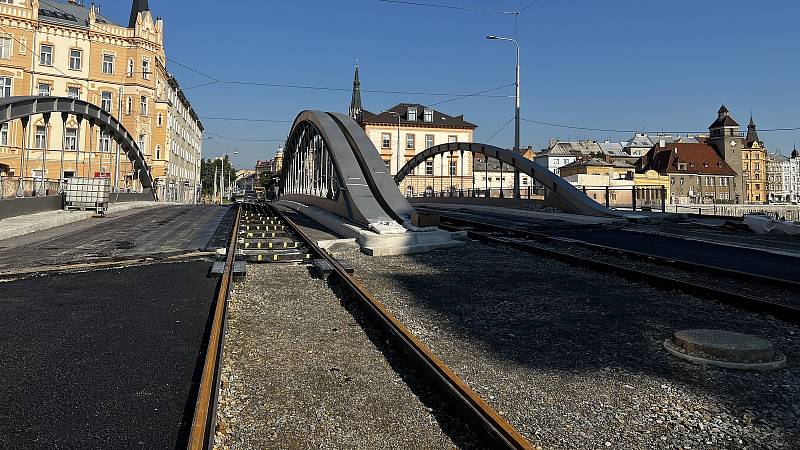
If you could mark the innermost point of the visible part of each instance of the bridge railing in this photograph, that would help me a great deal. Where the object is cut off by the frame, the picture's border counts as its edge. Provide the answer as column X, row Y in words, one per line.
column 15, row 187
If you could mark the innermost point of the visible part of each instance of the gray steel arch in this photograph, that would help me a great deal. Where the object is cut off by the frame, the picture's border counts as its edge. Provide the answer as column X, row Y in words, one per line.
column 320, row 142
column 13, row 108
column 574, row 200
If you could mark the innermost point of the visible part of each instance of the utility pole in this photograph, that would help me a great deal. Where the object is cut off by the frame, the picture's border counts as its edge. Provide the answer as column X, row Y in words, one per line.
column 214, row 198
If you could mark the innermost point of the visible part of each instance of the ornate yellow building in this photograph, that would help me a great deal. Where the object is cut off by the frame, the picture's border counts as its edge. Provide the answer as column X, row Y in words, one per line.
column 51, row 48
column 754, row 167
column 413, row 128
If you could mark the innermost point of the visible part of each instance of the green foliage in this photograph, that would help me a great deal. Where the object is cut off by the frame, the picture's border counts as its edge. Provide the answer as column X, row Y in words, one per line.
column 207, row 170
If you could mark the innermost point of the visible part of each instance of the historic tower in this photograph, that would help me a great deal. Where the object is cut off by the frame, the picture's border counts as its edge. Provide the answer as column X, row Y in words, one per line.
column 355, row 101
column 136, row 7
column 727, row 140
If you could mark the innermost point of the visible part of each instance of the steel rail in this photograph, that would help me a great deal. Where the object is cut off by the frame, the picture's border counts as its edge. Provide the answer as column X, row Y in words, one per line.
column 681, row 264
column 201, row 434
column 781, row 311
column 494, row 428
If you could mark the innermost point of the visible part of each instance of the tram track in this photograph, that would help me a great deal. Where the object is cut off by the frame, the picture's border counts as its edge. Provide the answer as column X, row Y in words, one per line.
column 554, row 247
column 257, row 243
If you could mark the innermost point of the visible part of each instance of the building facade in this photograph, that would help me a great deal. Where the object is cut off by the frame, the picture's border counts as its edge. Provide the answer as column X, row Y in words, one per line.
column 52, row 48
column 697, row 173
column 401, row 132
column 754, row 167
column 783, row 177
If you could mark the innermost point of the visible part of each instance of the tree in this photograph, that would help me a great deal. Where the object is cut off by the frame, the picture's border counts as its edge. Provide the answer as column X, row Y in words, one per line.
column 207, row 169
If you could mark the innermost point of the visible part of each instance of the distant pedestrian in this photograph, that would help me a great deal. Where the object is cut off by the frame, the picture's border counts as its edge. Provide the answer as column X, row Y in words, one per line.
column 276, row 192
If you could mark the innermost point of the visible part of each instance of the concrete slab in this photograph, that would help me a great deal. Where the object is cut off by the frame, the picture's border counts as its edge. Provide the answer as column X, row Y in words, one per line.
column 725, row 349
column 543, row 216
column 386, row 243
column 21, row 225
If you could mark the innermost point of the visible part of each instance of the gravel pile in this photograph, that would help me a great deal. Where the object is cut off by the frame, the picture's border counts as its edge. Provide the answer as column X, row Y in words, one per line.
column 757, row 290
column 574, row 358
column 299, row 371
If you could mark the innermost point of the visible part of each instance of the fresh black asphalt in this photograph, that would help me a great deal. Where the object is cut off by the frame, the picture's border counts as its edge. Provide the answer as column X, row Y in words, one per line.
column 159, row 231
column 104, row 359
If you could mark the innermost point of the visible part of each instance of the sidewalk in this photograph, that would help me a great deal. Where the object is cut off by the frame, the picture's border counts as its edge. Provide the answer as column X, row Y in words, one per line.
column 22, row 225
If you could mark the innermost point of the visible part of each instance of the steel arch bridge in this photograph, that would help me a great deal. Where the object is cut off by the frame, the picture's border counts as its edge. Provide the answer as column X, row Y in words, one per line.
column 22, row 108
column 570, row 198
column 330, row 162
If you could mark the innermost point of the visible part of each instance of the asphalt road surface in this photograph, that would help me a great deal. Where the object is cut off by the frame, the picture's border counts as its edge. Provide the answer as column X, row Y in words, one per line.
column 157, row 231
column 102, row 359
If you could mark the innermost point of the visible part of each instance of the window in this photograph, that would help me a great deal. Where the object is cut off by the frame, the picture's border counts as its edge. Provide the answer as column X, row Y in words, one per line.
column 4, row 134
column 146, row 69
column 44, row 90
column 105, row 142
column 427, row 115
column 452, row 139
column 143, row 143
column 386, row 140
column 723, row 181
column 682, row 166
column 5, row 48
column 709, row 181
column 143, row 105
column 453, row 167
column 681, row 181
column 73, row 92
column 128, row 105
column 409, row 141
column 46, row 55
column 130, row 68
column 69, row 174
column 75, row 59
column 108, row 64
column 411, row 114
column 429, row 167
column 160, row 119
column 40, row 140
column 158, row 152
column 72, row 139
column 388, row 162
column 429, row 141
column 105, row 101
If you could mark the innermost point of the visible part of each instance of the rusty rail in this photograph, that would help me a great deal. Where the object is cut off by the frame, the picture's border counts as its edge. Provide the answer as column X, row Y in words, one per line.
column 492, row 427
column 201, row 435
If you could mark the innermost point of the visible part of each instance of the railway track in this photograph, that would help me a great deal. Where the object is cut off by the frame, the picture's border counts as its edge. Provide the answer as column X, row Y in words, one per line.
column 546, row 245
column 263, row 234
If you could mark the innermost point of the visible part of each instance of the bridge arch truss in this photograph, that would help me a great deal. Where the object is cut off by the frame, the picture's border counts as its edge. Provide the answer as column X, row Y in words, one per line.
column 24, row 108
column 567, row 196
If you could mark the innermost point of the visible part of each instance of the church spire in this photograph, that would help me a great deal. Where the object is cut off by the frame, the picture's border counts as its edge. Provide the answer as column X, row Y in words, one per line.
column 136, row 7
column 752, row 132
column 355, row 102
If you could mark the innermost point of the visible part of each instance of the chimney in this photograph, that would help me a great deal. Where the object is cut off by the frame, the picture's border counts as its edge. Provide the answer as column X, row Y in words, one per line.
column 662, row 143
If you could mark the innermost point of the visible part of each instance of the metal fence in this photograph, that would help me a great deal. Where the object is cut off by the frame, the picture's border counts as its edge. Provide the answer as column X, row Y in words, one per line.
column 529, row 193
column 16, row 187
column 778, row 212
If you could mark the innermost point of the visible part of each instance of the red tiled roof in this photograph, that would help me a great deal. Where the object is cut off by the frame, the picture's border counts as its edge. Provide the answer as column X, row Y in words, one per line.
column 687, row 158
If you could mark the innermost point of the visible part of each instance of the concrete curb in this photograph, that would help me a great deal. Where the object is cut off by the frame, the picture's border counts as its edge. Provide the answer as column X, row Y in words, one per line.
column 375, row 244
column 21, row 225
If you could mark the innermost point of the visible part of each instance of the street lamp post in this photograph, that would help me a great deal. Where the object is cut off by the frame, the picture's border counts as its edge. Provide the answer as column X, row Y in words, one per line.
column 397, row 169
column 516, row 109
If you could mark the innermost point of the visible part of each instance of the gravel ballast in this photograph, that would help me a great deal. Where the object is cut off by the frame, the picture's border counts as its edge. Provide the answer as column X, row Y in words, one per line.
column 575, row 359
column 299, row 371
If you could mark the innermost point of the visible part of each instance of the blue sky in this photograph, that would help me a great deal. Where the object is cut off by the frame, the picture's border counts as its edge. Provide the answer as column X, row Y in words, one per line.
column 611, row 64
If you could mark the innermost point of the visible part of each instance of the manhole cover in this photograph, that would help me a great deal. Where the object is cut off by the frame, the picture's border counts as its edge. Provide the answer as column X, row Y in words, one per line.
column 725, row 349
